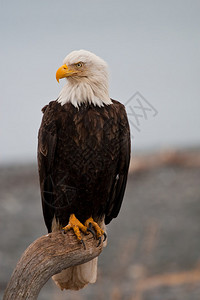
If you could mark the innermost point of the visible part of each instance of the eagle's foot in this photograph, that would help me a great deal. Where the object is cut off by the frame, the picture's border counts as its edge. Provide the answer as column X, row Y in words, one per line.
column 77, row 227
column 90, row 223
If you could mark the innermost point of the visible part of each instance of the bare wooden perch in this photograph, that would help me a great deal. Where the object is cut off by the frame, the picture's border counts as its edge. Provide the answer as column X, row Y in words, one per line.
column 45, row 257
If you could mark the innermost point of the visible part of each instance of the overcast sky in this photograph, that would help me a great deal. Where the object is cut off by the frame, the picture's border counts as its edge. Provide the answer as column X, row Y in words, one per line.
column 151, row 47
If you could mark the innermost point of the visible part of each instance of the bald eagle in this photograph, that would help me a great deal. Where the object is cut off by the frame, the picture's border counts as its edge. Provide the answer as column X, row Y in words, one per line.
column 83, row 157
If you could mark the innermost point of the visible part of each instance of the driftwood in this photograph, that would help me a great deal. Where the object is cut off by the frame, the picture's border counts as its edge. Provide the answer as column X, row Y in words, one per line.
column 45, row 257
column 185, row 159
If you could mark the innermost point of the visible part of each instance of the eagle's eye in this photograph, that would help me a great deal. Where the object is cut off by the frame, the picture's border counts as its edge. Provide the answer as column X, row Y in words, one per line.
column 79, row 64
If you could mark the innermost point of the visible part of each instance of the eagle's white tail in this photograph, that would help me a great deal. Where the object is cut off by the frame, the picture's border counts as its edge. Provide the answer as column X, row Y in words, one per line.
column 76, row 278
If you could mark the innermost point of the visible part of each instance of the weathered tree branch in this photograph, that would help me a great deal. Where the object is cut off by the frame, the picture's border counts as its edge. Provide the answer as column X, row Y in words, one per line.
column 45, row 257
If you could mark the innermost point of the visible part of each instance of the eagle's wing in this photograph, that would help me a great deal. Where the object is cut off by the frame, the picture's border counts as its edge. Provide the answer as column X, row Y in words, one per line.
column 120, row 177
column 47, row 139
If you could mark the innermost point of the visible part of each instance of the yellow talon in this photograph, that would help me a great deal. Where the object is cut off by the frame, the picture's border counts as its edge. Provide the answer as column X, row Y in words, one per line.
column 76, row 225
column 98, row 230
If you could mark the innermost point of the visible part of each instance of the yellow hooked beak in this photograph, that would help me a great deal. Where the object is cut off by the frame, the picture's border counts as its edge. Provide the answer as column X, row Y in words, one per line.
column 64, row 71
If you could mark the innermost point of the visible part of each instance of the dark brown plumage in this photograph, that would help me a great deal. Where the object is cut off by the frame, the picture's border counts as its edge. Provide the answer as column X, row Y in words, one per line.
column 83, row 160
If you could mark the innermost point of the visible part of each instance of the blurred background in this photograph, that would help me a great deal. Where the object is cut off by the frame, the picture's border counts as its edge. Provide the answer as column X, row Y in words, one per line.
column 152, row 49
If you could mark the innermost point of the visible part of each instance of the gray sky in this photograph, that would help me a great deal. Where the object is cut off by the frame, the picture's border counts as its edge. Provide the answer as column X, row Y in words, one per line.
column 150, row 46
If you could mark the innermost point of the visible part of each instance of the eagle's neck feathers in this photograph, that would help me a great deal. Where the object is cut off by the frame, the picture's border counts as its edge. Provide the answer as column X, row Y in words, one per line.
column 84, row 90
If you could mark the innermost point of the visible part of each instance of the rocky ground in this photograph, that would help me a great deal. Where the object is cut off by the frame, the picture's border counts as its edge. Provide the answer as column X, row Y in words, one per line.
column 153, row 250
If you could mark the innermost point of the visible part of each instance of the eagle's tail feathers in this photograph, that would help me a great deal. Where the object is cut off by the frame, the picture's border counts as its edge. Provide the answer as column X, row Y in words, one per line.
column 77, row 277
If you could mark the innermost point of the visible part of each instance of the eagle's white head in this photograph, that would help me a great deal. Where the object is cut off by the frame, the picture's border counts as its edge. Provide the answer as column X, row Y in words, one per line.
column 87, row 79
